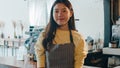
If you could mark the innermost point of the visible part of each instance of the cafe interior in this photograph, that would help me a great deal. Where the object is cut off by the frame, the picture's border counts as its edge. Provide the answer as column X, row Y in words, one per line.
column 21, row 22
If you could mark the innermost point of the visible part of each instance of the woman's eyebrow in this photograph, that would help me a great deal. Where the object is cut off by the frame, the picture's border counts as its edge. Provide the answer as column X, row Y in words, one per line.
column 58, row 8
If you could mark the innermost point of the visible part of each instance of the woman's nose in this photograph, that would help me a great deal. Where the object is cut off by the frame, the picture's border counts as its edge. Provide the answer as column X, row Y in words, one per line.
column 60, row 13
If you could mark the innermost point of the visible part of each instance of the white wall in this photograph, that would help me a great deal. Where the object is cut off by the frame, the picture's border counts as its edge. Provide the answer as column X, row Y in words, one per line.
column 13, row 10
column 91, row 17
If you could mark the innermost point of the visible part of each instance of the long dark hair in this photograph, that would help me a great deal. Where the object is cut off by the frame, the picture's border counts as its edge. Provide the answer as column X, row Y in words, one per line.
column 50, row 30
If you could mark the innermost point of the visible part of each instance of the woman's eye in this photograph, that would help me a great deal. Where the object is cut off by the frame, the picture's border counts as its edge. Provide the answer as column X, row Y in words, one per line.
column 56, row 11
column 64, row 10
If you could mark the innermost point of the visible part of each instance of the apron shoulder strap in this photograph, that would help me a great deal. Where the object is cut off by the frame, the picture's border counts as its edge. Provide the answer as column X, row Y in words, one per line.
column 71, row 37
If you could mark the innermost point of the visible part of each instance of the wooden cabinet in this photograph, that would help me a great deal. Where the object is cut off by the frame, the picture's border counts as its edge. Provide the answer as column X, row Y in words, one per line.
column 113, row 55
column 119, row 8
column 96, row 59
column 115, row 11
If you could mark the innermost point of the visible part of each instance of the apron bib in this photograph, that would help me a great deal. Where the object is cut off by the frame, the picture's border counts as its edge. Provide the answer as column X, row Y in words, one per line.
column 60, row 55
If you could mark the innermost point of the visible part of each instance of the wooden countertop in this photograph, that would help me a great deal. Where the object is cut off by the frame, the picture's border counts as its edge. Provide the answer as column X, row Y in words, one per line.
column 111, row 51
column 11, row 62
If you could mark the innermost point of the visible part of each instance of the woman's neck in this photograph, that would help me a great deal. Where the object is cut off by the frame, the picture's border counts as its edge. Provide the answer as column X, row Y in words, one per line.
column 63, row 27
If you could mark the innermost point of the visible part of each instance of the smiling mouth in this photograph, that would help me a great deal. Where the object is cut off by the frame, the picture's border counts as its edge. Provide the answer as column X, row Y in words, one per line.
column 61, row 19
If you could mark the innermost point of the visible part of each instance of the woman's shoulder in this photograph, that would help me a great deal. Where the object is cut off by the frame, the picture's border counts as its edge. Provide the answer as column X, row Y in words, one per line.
column 79, row 39
column 42, row 33
column 77, row 35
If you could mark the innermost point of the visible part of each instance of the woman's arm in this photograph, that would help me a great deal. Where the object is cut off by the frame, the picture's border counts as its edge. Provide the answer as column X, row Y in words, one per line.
column 40, row 53
column 80, row 53
column 40, row 58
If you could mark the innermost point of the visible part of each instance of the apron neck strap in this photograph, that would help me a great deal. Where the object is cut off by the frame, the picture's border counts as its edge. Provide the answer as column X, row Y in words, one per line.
column 71, row 37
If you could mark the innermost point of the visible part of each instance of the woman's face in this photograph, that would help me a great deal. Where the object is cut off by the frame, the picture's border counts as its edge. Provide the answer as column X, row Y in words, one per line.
column 61, row 14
